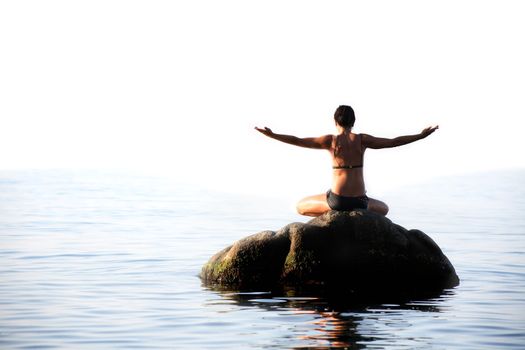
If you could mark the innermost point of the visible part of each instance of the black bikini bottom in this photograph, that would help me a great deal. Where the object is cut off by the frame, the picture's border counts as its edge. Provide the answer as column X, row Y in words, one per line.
column 342, row 203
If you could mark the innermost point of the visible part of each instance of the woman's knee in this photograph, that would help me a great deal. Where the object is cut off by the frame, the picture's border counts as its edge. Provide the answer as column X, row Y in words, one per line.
column 300, row 208
column 378, row 207
column 384, row 208
column 312, row 206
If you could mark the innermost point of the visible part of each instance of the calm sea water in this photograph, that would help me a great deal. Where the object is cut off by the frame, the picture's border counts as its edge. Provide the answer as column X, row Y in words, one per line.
column 101, row 261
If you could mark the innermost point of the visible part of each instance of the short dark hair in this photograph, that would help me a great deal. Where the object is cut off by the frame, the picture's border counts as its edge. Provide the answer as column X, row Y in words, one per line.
column 344, row 116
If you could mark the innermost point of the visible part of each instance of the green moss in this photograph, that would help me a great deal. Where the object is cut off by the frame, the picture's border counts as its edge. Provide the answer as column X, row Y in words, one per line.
column 219, row 270
column 303, row 261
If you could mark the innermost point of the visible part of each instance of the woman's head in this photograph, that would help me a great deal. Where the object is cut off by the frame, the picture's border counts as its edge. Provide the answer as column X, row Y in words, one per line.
column 344, row 116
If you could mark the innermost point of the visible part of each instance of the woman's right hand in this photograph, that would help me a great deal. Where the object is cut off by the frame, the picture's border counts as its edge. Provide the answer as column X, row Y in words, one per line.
column 429, row 130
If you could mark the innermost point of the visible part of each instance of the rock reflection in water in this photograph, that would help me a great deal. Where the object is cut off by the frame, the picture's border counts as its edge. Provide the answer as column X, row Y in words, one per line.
column 321, row 322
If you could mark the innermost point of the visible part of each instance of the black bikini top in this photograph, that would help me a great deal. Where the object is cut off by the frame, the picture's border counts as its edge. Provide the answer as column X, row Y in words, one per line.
column 346, row 166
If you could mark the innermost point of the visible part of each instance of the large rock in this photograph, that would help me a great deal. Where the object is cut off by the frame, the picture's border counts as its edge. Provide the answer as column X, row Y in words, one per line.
column 353, row 251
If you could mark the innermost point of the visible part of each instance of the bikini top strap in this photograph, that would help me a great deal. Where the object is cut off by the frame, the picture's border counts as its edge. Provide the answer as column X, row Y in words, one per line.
column 334, row 144
column 361, row 147
column 334, row 149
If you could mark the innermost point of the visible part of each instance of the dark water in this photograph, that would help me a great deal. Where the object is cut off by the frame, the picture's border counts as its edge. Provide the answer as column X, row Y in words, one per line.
column 98, row 260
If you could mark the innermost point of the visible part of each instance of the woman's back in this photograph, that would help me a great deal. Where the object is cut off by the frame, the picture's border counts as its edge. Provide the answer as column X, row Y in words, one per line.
column 347, row 162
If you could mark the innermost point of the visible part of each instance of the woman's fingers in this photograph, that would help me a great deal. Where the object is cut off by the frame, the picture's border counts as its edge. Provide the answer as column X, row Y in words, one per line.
column 265, row 131
column 429, row 130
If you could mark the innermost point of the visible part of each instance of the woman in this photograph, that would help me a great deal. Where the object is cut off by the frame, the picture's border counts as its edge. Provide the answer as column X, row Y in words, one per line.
column 347, row 150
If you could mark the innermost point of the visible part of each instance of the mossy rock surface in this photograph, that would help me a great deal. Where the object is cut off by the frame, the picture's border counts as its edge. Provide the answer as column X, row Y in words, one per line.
column 356, row 251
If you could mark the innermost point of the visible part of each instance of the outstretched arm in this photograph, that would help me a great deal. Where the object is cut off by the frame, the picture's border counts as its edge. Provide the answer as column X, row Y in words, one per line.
column 322, row 142
column 378, row 142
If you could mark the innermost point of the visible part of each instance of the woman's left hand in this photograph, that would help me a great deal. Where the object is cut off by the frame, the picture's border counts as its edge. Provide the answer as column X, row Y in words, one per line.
column 266, row 131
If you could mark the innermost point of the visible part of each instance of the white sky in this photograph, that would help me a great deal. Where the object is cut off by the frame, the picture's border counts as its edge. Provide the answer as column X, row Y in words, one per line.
column 176, row 87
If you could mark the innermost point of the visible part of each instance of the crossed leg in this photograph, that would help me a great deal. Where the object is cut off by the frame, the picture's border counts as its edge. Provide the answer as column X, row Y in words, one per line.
column 316, row 205
column 377, row 206
column 313, row 205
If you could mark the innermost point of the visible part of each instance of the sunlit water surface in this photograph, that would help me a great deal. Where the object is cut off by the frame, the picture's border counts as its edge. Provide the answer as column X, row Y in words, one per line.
column 102, row 260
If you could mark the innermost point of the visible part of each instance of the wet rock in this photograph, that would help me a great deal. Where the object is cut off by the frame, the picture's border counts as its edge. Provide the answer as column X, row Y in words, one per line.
column 352, row 251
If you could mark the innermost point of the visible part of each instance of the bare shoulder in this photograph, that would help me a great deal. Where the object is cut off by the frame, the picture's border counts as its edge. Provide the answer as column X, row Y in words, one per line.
column 369, row 141
column 326, row 141
column 365, row 138
column 320, row 142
